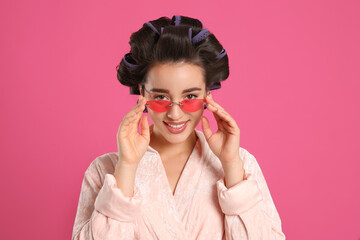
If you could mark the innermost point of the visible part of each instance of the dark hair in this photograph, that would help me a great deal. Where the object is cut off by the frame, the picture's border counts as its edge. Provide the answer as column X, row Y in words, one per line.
column 173, row 45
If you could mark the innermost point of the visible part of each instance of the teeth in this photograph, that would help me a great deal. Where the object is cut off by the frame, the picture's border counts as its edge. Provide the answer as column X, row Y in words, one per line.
column 176, row 126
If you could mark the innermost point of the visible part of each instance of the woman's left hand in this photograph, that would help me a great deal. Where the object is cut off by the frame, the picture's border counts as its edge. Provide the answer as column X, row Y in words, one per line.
column 226, row 141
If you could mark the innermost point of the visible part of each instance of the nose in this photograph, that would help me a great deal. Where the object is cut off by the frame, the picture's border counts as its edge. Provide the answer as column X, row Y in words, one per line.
column 175, row 112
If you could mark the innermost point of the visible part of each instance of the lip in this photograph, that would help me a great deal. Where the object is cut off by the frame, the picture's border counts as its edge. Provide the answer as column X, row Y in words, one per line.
column 176, row 130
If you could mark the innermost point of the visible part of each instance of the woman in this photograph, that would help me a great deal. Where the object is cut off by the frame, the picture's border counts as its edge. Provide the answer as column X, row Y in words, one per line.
column 172, row 181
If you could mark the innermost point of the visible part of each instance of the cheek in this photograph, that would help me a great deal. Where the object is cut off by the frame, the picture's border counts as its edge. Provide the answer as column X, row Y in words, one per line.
column 197, row 115
column 155, row 117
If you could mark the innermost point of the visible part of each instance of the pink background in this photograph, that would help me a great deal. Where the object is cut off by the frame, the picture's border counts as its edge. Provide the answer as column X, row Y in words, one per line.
column 293, row 90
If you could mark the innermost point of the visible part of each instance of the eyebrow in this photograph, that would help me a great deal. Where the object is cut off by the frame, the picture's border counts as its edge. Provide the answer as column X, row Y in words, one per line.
column 167, row 91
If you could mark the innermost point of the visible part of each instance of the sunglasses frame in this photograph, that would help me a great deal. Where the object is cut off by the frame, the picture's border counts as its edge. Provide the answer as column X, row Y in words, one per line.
column 178, row 103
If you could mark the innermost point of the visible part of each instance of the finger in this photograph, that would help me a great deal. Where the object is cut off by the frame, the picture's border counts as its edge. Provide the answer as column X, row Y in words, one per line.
column 132, row 119
column 225, row 121
column 223, row 115
column 206, row 127
column 137, row 110
column 216, row 105
column 229, row 122
column 214, row 110
column 134, row 125
column 210, row 100
column 133, row 114
column 136, row 122
column 140, row 104
column 145, row 131
column 126, row 125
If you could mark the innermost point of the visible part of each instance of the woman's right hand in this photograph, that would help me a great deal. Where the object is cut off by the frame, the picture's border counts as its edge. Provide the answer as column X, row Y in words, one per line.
column 131, row 144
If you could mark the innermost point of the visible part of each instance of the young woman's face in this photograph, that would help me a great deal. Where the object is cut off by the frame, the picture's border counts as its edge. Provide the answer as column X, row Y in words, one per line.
column 175, row 82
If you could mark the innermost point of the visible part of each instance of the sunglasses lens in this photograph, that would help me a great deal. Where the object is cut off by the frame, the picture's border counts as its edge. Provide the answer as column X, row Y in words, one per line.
column 192, row 105
column 159, row 105
column 189, row 105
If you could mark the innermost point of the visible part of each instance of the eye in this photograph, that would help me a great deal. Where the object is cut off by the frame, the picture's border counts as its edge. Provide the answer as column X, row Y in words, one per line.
column 159, row 97
column 195, row 96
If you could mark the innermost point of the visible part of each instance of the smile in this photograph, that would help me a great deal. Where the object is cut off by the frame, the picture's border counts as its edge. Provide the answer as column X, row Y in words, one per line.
column 176, row 128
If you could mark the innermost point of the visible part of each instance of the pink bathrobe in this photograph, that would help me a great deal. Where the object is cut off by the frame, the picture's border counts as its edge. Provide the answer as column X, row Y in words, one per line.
column 201, row 207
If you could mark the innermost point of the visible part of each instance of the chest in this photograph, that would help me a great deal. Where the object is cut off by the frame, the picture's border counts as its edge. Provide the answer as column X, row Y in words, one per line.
column 173, row 169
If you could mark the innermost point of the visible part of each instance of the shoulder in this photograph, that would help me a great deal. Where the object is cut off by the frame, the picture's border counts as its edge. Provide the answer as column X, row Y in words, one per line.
column 246, row 156
column 102, row 165
column 250, row 163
